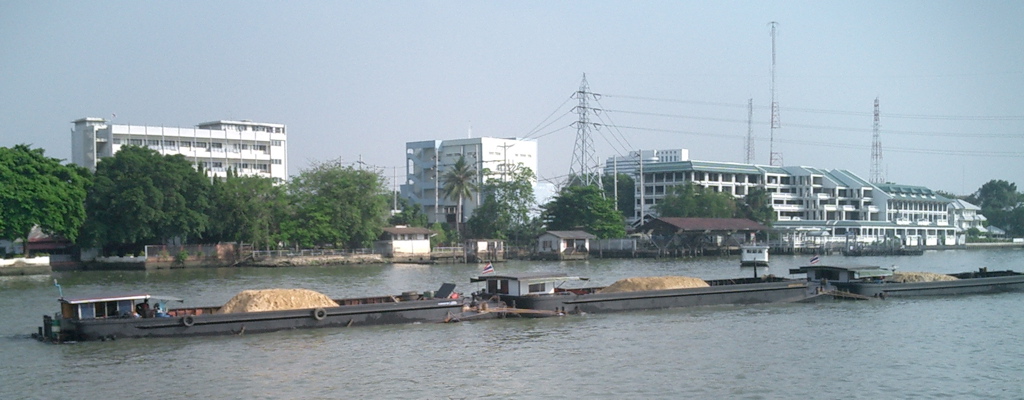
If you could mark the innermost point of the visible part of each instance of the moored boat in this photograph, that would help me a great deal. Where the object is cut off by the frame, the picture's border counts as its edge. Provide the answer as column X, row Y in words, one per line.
column 874, row 281
column 119, row 316
column 545, row 291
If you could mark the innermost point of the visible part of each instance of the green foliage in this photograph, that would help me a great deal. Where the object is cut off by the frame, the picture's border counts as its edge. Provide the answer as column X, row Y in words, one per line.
column 140, row 197
column 459, row 183
column 504, row 212
column 626, row 188
column 337, row 205
column 247, row 209
column 36, row 190
column 444, row 237
column 1002, row 205
column 411, row 214
column 693, row 201
column 583, row 208
column 757, row 206
column 181, row 257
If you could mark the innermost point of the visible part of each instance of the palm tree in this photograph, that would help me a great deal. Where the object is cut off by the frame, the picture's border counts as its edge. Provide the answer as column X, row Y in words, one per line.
column 459, row 183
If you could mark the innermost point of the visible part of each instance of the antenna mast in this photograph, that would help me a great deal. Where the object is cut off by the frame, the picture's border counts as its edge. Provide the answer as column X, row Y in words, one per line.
column 583, row 169
column 877, row 176
column 776, row 158
column 749, row 159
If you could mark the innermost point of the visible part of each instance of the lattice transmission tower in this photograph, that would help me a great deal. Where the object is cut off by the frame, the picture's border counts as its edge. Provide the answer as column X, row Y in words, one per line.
column 584, row 170
column 775, row 158
column 877, row 176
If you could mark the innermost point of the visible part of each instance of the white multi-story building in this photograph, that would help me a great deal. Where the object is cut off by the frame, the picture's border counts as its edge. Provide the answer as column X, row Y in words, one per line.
column 427, row 162
column 834, row 203
column 251, row 148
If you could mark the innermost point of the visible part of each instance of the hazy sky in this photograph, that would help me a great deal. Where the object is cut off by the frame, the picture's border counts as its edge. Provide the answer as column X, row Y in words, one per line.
column 353, row 79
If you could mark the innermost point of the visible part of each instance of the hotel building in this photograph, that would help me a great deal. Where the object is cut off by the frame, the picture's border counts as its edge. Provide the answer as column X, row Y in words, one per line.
column 251, row 148
column 813, row 204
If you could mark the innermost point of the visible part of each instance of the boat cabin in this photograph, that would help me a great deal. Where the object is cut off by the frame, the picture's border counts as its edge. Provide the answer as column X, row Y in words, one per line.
column 753, row 256
column 525, row 284
column 842, row 274
column 123, row 306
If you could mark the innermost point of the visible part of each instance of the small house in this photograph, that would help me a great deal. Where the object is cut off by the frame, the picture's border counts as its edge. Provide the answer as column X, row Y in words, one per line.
column 564, row 245
column 403, row 241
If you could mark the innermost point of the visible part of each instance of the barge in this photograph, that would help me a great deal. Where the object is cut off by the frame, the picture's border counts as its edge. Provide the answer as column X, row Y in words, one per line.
column 115, row 317
column 545, row 291
column 874, row 281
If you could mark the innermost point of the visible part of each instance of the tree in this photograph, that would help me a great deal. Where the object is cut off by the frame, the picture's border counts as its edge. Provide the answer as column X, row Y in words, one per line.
column 583, row 207
column 997, row 194
column 36, row 190
column 757, row 206
column 337, row 205
column 247, row 209
column 626, row 188
column 459, row 183
column 1001, row 204
column 411, row 214
column 693, row 201
column 140, row 197
column 505, row 210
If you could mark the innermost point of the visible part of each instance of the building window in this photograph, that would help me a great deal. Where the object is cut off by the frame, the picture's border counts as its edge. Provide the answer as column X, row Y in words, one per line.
column 135, row 142
column 277, row 143
column 260, row 147
column 218, row 164
column 185, row 144
column 153, row 142
column 276, row 161
column 217, row 145
column 202, row 145
column 117, row 140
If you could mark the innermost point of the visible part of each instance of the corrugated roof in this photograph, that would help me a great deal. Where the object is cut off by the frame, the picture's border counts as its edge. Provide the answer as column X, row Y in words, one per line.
column 408, row 230
column 713, row 224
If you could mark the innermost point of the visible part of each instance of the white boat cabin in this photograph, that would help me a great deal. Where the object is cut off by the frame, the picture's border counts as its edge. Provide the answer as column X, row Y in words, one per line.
column 753, row 256
column 525, row 284
column 122, row 306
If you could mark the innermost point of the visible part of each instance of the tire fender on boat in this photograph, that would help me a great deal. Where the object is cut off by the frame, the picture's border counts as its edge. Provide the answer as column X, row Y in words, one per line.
column 319, row 314
column 188, row 320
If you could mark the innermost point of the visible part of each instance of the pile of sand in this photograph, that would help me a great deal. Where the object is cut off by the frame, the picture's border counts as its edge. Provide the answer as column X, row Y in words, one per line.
column 276, row 299
column 908, row 277
column 654, row 283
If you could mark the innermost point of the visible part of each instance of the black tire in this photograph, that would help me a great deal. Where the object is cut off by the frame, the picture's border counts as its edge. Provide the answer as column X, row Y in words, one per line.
column 319, row 314
column 188, row 320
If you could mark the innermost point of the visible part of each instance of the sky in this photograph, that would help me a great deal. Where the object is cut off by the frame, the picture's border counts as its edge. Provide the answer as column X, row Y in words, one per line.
column 356, row 80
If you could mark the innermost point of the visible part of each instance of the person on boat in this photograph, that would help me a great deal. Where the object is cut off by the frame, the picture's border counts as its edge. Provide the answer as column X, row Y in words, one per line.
column 143, row 308
column 160, row 313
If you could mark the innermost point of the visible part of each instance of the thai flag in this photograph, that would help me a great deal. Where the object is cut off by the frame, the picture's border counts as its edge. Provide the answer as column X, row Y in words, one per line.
column 488, row 269
column 815, row 259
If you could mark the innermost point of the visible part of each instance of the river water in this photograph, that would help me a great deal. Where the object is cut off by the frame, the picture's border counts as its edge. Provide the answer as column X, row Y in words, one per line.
column 955, row 347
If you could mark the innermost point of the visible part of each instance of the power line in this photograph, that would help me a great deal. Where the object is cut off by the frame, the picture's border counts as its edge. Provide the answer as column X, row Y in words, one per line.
column 828, row 111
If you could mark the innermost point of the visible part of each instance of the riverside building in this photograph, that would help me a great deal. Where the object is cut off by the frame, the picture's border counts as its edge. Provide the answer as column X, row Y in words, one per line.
column 428, row 161
column 251, row 148
column 814, row 206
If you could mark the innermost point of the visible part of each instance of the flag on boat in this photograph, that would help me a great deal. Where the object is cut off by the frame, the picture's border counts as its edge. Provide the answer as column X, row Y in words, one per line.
column 815, row 259
column 488, row 269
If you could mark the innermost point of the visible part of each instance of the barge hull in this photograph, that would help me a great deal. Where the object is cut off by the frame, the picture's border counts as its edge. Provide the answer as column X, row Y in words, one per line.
column 753, row 293
column 435, row 310
column 943, row 288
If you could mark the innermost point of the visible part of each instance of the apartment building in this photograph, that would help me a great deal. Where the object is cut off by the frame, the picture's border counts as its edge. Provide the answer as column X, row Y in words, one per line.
column 251, row 148
column 428, row 161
